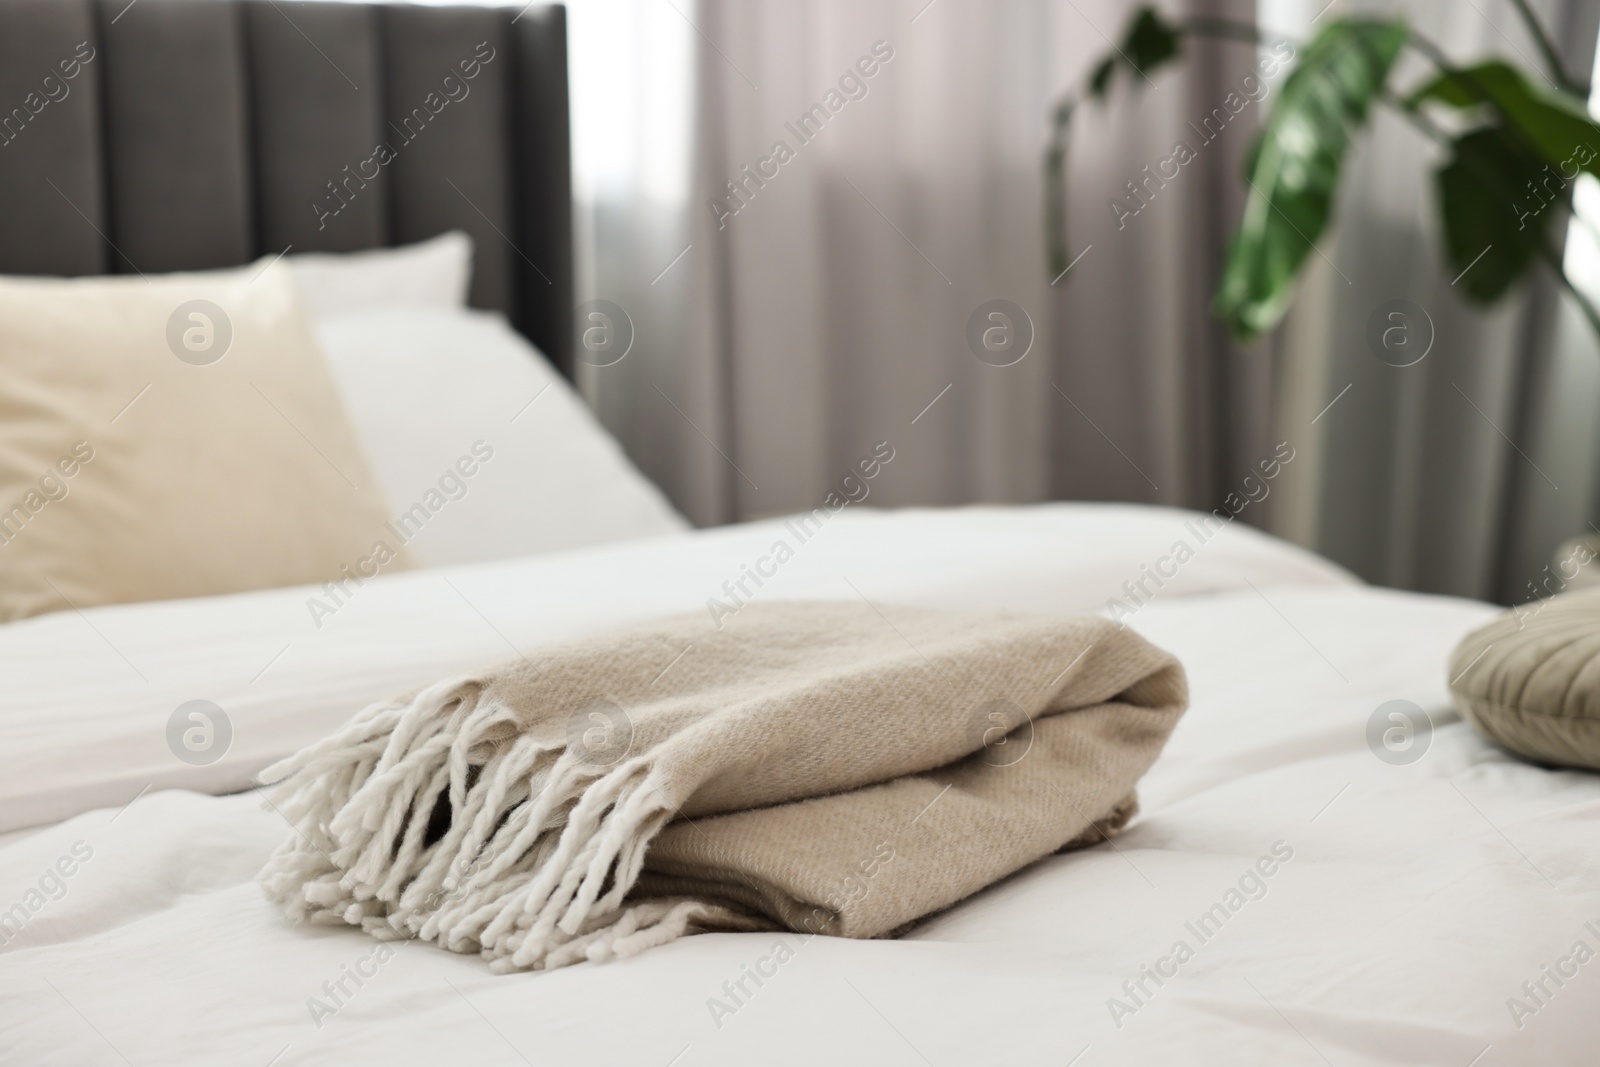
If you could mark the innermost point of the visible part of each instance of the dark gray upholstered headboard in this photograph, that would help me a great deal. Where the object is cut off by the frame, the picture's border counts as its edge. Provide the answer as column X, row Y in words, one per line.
column 165, row 135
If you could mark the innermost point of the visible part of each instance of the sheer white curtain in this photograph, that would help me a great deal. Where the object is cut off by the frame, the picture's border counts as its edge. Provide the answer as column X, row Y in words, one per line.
column 632, row 82
column 789, row 316
column 777, row 345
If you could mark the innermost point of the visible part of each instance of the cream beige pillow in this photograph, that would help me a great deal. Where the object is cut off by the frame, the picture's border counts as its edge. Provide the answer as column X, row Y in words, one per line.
column 173, row 436
column 1530, row 680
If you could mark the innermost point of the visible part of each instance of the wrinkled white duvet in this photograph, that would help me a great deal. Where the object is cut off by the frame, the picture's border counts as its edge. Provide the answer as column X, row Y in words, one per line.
column 1287, row 896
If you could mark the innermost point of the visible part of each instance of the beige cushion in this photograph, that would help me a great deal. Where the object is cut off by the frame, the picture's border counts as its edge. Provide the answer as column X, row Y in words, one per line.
column 1530, row 680
column 128, row 473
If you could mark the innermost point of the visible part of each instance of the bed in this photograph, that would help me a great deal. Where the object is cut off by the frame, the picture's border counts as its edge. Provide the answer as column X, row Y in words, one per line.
column 1329, row 866
column 1414, row 902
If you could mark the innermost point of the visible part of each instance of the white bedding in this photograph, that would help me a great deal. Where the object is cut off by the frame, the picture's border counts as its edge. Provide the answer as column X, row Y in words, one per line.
column 482, row 448
column 1418, row 898
column 286, row 671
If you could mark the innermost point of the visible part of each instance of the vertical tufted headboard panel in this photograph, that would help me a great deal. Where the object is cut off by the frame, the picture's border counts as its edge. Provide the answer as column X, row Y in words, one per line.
column 165, row 135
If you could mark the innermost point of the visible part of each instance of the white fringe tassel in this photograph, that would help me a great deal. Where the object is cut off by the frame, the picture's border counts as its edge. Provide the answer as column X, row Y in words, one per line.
column 531, row 872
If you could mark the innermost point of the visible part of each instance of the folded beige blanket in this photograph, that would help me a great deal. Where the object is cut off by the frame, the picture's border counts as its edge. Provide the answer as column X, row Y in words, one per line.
column 828, row 768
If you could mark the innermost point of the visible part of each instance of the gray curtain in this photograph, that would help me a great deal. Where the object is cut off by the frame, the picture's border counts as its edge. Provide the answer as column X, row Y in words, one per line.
column 824, row 308
column 786, row 324
column 1153, row 400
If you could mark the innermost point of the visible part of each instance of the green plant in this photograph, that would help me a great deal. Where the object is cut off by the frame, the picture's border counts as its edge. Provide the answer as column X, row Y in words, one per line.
column 1509, row 140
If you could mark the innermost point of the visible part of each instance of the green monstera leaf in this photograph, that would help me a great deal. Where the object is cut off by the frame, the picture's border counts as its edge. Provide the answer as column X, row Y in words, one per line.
column 1293, row 169
column 1493, row 227
column 1149, row 42
column 1553, row 126
column 1498, row 189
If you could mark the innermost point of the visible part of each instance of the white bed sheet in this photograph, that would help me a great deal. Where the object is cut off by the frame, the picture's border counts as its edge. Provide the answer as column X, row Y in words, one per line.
column 285, row 674
column 1418, row 899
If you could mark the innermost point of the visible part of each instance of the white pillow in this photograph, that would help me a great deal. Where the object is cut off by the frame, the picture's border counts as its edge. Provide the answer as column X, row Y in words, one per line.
column 484, row 450
column 435, row 273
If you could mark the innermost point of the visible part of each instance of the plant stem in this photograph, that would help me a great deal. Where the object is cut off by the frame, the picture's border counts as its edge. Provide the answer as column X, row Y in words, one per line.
column 1547, row 47
column 1553, row 261
column 1436, row 56
column 1229, row 29
column 1055, row 181
column 1433, row 52
column 1414, row 116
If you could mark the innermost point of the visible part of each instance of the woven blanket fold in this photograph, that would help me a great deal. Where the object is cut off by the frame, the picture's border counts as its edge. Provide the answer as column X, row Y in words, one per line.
column 827, row 768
